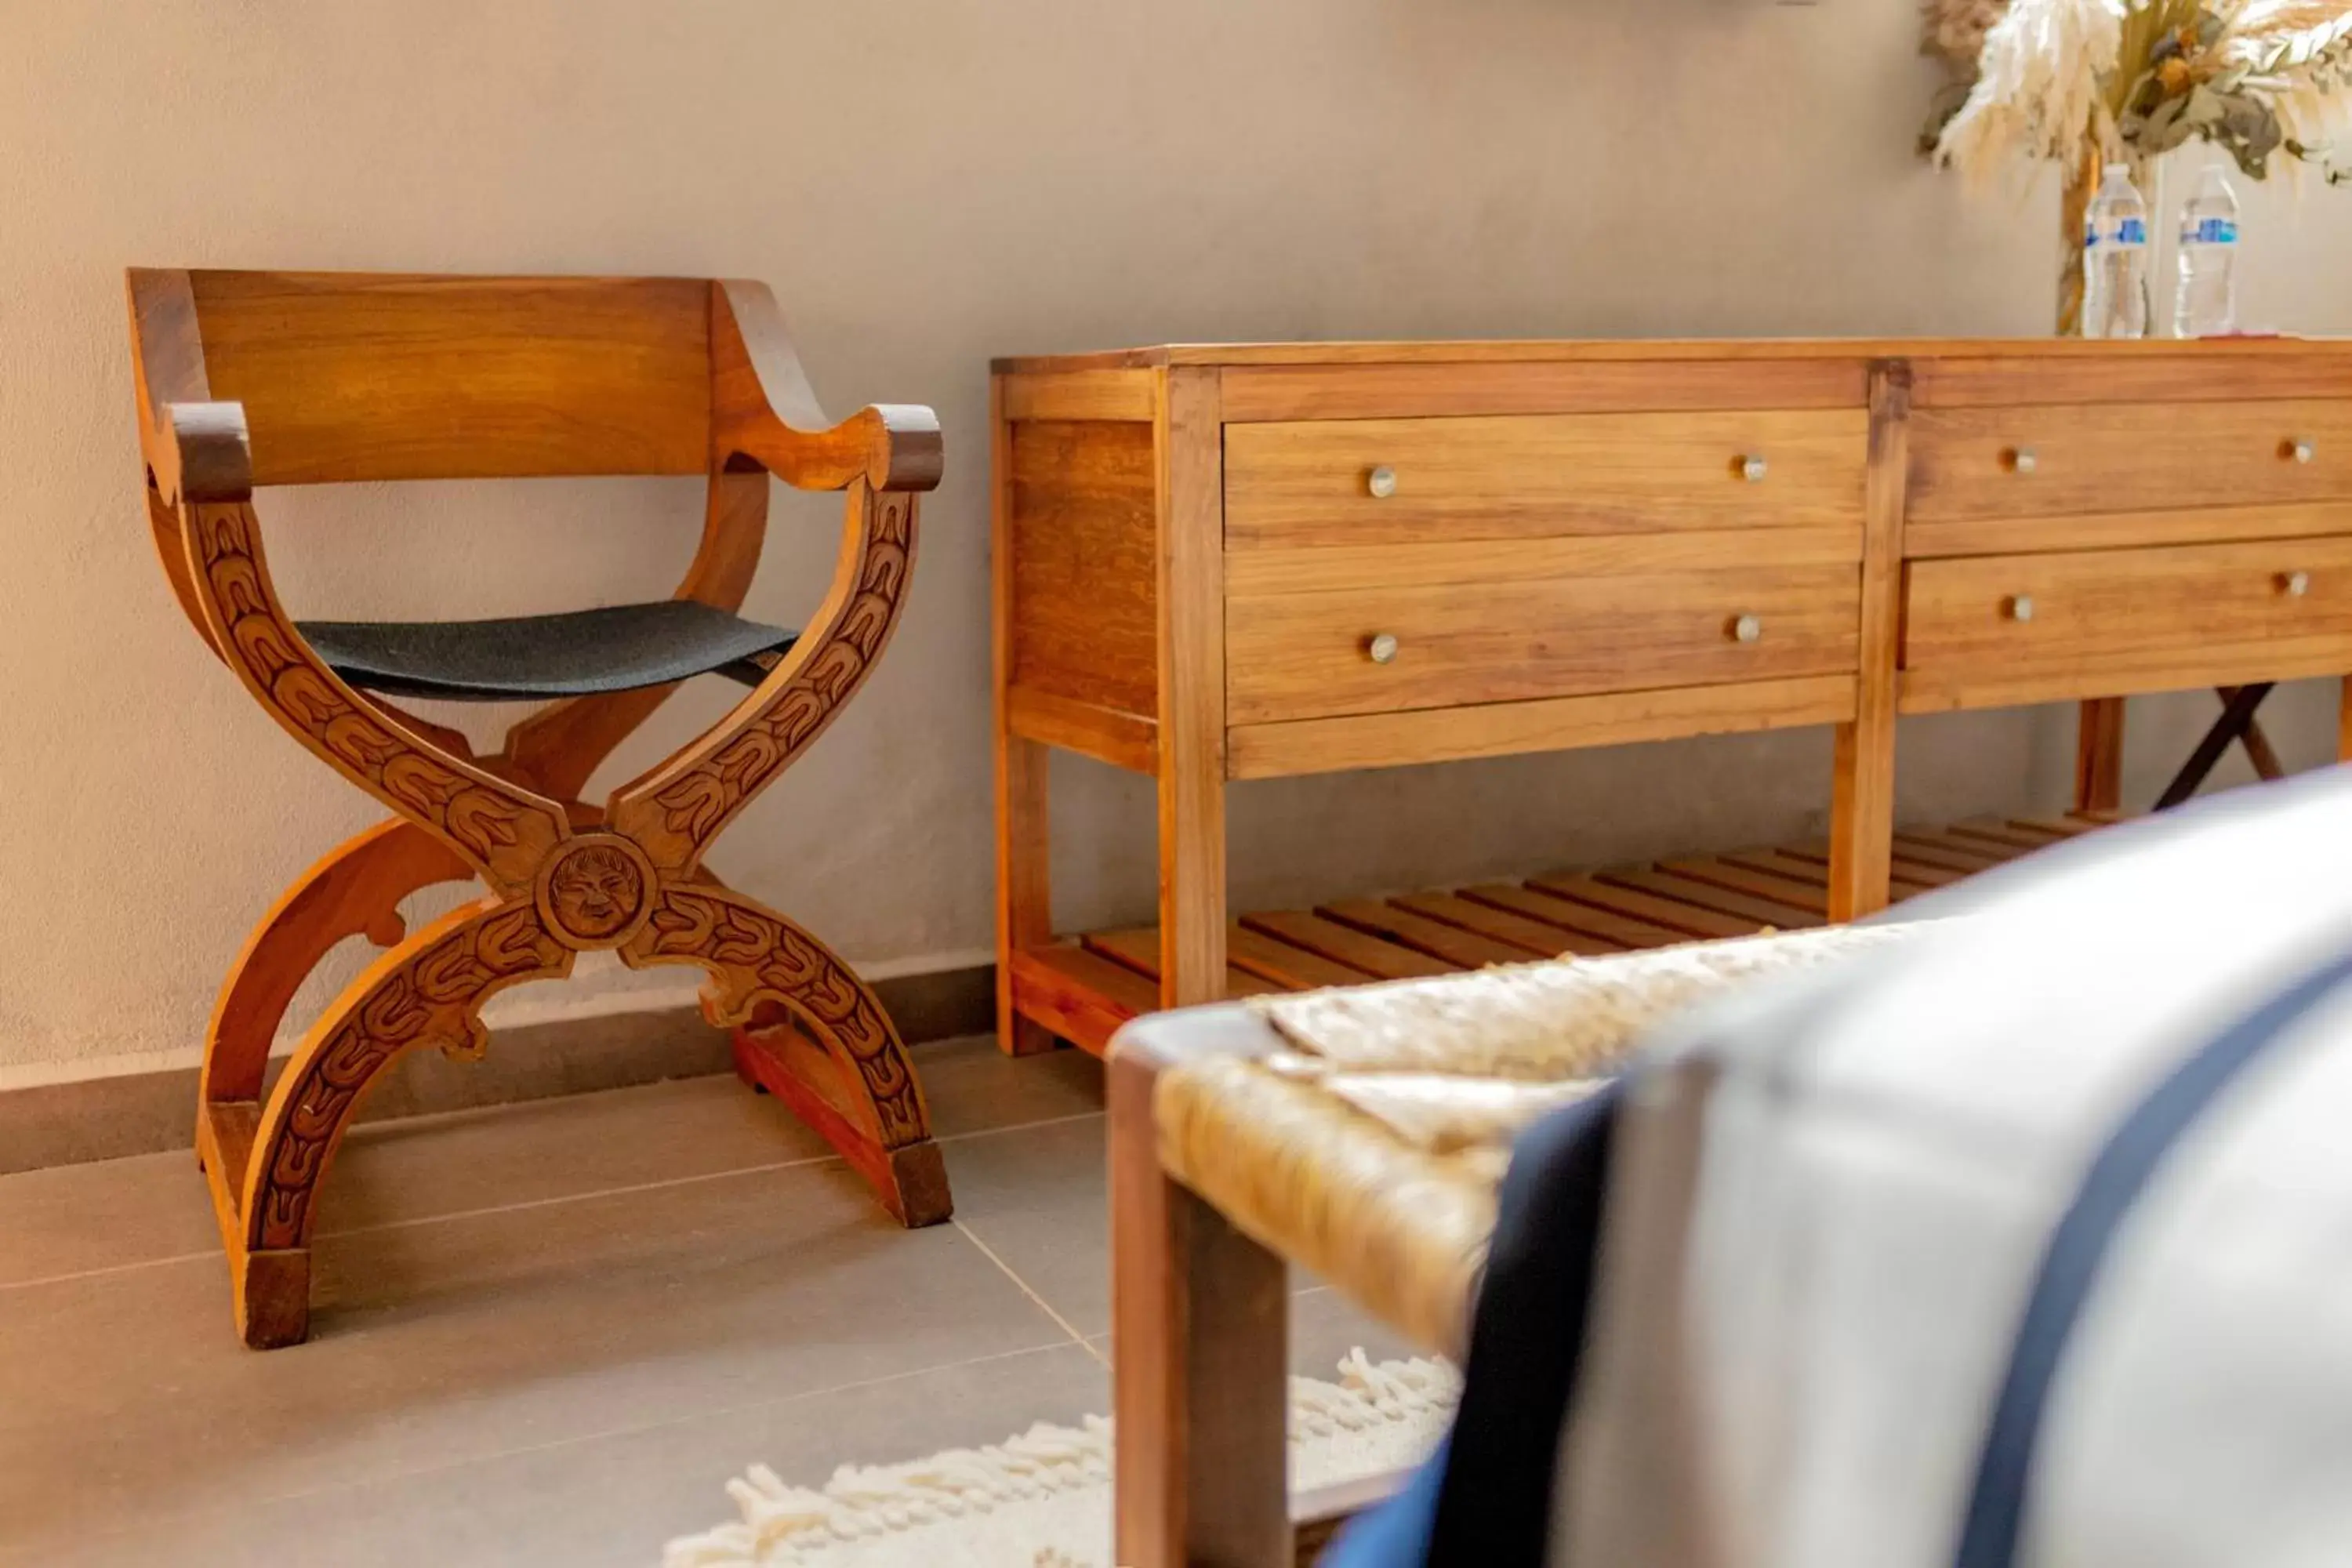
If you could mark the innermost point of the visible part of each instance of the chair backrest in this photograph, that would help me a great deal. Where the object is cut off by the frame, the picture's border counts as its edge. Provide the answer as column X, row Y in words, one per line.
column 353, row 375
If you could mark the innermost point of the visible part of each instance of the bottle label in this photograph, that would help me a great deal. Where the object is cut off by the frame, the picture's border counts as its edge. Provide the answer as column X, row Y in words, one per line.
column 2129, row 233
column 2209, row 231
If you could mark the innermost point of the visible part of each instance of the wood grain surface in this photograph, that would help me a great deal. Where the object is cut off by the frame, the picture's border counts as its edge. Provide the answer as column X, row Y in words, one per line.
column 2112, row 621
column 2096, row 457
column 1527, row 477
column 348, row 377
column 1305, row 655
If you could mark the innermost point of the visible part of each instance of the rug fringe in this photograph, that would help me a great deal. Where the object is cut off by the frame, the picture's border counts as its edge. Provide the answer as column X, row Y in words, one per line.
column 781, row 1523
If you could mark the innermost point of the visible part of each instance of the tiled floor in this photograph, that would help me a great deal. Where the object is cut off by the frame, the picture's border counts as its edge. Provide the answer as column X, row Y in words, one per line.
column 550, row 1333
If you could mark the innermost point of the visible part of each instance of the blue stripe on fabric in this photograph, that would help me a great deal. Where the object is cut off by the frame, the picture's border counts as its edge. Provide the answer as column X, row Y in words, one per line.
column 2079, row 1247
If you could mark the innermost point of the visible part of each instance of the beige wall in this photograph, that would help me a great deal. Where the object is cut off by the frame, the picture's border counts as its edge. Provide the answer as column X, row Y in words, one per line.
column 925, row 183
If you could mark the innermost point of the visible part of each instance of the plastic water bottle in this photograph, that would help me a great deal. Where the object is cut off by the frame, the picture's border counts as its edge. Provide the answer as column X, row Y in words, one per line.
column 2205, row 304
column 2115, row 259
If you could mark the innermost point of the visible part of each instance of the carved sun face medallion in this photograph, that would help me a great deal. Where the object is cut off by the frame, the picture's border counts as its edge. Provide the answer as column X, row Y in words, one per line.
column 597, row 890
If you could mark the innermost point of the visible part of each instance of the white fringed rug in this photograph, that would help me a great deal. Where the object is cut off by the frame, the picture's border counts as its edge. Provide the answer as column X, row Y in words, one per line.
column 1042, row 1500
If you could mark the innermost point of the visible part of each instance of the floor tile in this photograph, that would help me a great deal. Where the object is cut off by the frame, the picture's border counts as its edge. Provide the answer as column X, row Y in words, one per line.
column 971, row 1086
column 610, row 1498
column 464, row 1338
column 394, row 1172
column 70, row 1219
column 74, row 1218
column 550, row 1332
column 592, row 1142
column 1035, row 1196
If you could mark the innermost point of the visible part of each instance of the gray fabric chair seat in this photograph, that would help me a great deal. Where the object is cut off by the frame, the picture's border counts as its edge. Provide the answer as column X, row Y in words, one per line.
column 574, row 654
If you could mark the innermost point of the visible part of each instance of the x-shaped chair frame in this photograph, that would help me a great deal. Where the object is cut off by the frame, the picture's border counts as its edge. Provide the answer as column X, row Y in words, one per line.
column 561, row 877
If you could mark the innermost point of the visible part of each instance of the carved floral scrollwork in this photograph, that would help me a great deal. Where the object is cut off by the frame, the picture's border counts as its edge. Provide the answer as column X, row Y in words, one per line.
column 561, row 891
column 755, row 955
column 504, row 831
column 686, row 809
column 433, row 996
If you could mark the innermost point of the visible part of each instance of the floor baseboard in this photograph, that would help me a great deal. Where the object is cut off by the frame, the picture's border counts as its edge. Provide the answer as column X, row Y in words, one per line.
column 154, row 1112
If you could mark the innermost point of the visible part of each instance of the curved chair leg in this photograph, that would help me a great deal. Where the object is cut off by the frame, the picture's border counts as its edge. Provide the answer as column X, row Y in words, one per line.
column 849, row 1077
column 265, row 1172
column 354, row 890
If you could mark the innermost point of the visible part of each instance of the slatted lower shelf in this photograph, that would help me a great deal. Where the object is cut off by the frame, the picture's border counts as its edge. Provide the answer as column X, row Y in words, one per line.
column 1084, row 988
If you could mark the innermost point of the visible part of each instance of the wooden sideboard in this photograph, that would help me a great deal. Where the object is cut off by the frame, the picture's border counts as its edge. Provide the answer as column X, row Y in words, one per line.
column 1214, row 564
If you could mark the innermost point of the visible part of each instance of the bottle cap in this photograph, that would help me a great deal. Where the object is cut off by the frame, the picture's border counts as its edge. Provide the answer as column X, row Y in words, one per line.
column 2124, row 169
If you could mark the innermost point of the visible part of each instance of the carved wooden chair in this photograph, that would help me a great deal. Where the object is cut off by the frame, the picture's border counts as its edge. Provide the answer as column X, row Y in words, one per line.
column 247, row 379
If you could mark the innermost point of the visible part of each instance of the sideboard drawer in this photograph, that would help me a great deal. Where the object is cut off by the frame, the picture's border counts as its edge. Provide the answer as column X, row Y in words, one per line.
column 1372, row 481
column 2049, row 460
column 1997, row 629
column 1314, row 655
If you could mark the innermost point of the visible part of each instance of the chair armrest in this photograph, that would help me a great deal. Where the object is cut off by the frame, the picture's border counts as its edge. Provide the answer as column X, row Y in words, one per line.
column 200, row 452
column 763, row 410
column 197, row 447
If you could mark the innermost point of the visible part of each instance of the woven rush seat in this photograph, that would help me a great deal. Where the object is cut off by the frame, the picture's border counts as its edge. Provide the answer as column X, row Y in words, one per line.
column 577, row 653
column 1369, row 1147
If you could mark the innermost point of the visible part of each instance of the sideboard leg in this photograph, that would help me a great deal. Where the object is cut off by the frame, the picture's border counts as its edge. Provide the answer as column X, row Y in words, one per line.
column 1191, row 612
column 1025, row 904
column 1199, row 1378
column 2099, row 756
column 1192, row 884
column 1862, row 805
column 1025, row 916
column 1862, row 819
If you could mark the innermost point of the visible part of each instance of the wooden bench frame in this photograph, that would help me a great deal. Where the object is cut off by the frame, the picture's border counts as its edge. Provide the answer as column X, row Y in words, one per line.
column 316, row 377
column 1200, row 1341
column 1199, row 1310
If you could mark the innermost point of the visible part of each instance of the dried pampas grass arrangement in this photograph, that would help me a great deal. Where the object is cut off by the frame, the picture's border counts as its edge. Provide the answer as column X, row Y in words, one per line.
column 2299, row 55
column 2034, row 77
column 2083, row 82
column 2036, row 89
column 1955, row 30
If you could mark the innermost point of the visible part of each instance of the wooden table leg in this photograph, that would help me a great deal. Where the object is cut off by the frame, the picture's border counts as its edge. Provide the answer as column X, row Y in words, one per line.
column 2099, row 756
column 1200, row 1374
column 1862, row 804
column 1024, row 917
column 1024, row 903
column 1862, row 819
column 2237, row 712
column 1191, row 607
column 2257, row 744
column 2343, row 721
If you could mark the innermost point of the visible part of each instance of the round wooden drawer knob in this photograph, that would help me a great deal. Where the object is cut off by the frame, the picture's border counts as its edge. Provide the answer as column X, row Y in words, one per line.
column 2301, row 450
column 2295, row 584
column 1747, row 628
column 2022, row 460
column 1381, row 649
column 2021, row 608
column 1381, row 482
column 1753, row 468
